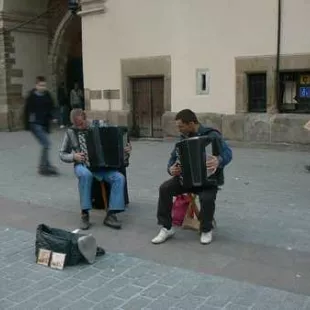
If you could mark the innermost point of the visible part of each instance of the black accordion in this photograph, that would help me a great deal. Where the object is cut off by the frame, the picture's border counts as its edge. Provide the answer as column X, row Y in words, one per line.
column 105, row 146
column 192, row 154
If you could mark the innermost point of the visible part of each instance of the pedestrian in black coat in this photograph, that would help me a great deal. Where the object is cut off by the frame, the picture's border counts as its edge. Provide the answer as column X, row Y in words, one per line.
column 38, row 116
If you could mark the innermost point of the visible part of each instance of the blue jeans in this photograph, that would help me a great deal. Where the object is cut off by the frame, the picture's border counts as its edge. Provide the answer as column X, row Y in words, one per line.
column 41, row 135
column 114, row 178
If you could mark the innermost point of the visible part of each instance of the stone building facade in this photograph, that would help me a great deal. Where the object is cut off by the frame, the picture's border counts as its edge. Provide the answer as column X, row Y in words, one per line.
column 218, row 59
column 144, row 60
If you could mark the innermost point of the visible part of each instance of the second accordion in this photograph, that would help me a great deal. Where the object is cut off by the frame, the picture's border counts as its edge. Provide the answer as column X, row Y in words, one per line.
column 192, row 154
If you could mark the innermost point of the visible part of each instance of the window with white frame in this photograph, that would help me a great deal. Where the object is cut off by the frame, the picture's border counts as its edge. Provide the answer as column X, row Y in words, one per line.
column 202, row 82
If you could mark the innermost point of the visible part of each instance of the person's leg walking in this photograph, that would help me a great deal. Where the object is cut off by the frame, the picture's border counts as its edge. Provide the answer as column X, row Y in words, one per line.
column 85, row 178
column 42, row 136
column 67, row 115
column 62, row 116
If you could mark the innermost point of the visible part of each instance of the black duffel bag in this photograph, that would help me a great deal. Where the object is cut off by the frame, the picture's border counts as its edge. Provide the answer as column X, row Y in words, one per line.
column 61, row 241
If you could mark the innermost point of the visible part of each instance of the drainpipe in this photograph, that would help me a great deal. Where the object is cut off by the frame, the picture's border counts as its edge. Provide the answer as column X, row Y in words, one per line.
column 277, row 88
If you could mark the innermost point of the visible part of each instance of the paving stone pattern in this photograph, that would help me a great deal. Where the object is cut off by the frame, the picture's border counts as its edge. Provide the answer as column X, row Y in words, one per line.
column 263, row 209
column 117, row 281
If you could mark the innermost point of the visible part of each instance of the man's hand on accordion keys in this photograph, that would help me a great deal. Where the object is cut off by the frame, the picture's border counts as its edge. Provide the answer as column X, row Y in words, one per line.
column 175, row 170
column 212, row 163
column 127, row 148
column 79, row 157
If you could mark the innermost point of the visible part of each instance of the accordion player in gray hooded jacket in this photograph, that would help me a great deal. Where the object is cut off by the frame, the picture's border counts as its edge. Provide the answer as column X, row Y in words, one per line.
column 74, row 150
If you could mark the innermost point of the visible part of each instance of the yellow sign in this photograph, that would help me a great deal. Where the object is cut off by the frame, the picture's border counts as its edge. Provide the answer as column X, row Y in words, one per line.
column 305, row 79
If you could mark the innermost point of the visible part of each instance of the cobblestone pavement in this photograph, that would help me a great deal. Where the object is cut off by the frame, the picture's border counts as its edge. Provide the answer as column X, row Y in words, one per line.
column 258, row 260
column 118, row 281
column 266, row 192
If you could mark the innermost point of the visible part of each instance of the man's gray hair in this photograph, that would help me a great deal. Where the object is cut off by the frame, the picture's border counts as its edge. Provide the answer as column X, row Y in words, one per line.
column 76, row 113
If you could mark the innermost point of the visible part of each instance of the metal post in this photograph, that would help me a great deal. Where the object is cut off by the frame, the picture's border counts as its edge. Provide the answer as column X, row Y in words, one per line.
column 277, row 86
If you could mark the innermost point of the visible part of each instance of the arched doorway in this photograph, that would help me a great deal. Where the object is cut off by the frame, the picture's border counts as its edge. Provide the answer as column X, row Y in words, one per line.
column 39, row 37
column 65, row 49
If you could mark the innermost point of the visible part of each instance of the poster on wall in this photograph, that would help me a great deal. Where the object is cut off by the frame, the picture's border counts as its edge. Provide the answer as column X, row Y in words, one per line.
column 304, row 79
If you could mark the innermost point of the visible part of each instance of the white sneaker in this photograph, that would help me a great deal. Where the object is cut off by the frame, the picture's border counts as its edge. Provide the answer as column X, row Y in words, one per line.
column 164, row 234
column 206, row 238
column 62, row 126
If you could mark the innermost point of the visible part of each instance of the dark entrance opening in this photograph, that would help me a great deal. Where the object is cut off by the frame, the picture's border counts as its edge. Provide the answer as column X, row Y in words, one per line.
column 74, row 70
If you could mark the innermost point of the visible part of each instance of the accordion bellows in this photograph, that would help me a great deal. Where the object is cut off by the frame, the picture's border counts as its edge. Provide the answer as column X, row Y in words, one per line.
column 192, row 155
column 105, row 147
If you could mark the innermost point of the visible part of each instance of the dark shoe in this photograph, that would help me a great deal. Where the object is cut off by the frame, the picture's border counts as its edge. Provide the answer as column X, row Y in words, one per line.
column 307, row 168
column 115, row 218
column 48, row 171
column 100, row 251
column 112, row 222
column 44, row 171
column 84, row 225
column 53, row 170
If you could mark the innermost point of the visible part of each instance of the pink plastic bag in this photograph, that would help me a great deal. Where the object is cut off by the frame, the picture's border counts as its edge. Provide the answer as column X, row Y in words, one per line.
column 179, row 209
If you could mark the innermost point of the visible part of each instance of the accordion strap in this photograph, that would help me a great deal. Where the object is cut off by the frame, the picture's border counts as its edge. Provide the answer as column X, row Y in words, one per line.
column 76, row 135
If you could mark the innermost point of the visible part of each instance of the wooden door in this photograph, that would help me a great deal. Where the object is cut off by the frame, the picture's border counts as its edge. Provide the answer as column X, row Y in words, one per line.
column 148, row 106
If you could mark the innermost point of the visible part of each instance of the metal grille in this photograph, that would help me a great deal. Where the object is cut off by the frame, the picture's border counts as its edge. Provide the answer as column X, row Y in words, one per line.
column 257, row 92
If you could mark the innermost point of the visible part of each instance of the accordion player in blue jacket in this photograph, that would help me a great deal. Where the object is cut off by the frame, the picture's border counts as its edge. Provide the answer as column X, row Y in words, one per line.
column 188, row 126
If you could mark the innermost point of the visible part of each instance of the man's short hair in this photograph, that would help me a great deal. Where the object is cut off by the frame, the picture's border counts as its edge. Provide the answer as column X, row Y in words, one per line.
column 186, row 116
column 76, row 113
column 40, row 78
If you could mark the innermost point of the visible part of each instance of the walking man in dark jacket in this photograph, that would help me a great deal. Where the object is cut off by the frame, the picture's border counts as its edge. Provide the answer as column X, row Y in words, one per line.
column 39, row 109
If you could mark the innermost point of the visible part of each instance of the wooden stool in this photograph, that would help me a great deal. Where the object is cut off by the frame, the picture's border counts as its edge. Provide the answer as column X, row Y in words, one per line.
column 191, row 219
column 104, row 196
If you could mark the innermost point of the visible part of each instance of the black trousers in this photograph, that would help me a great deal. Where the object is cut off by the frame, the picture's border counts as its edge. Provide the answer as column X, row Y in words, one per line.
column 172, row 188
